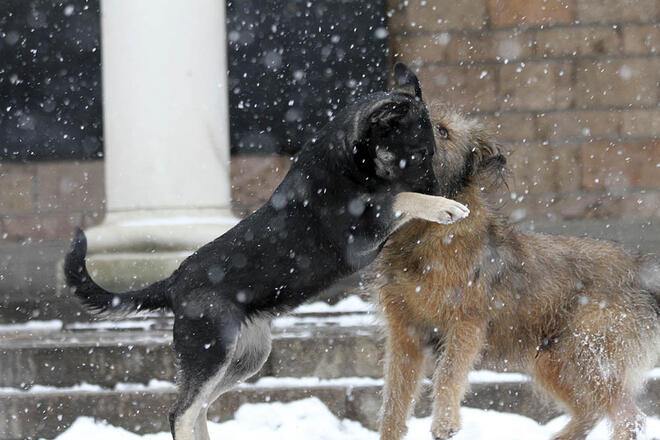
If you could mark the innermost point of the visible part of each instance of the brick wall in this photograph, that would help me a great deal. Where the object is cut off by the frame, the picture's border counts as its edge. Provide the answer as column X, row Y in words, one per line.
column 46, row 200
column 571, row 85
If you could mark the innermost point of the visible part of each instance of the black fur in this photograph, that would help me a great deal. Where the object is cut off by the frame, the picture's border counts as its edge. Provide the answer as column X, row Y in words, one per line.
column 327, row 219
column 100, row 300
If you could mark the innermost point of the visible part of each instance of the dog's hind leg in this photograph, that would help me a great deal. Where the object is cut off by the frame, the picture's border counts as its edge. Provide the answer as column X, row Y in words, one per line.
column 204, row 345
column 604, row 355
column 247, row 356
column 188, row 417
column 557, row 379
column 201, row 429
column 627, row 419
column 251, row 351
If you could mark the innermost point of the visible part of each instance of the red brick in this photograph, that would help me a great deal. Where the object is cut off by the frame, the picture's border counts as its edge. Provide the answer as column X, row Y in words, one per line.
column 641, row 204
column 573, row 206
column 591, row 205
column 544, row 169
column 470, row 88
column 532, row 170
column 253, row 179
column 41, row 227
column 512, row 126
column 474, row 47
column 617, row 82
column 528, row 207
column 634, row 204
column 568, row 168
column 641, row 123
column 419, row 50
column 571, row 125
column 641, row 39
column 437, row 15
column 529, row 12
column 616, row 11
column 579, row 41
column 621, row 165
column 457, row 47
column 70, row 186
column 537, row 85
column 513, row 44
column 16, row 188
column 597, row 205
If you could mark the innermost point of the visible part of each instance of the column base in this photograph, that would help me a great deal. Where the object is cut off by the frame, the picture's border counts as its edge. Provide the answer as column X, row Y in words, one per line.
column 130, row 250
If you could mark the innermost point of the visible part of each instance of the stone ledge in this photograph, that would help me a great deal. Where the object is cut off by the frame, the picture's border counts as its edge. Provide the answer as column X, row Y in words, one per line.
column 105, row 358
column 45, row 414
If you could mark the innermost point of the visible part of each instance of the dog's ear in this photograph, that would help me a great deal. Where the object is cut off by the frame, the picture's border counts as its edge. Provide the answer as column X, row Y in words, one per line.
column 489, row 162
column 406, row 81
column 385, row 113
column 378, row 121
column 380, row 117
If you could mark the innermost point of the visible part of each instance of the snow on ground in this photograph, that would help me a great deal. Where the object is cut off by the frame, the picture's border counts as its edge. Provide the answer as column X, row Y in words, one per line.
column 350, row 304
column 343, row 320
column 36, row 325
column 309, row 382
column 351, row 311
column 311, row 419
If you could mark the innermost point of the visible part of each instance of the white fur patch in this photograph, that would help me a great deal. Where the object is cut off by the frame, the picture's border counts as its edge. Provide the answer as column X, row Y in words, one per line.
column 384, row 163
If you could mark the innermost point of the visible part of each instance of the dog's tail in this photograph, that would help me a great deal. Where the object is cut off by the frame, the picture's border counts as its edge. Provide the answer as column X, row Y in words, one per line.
column 99, row 300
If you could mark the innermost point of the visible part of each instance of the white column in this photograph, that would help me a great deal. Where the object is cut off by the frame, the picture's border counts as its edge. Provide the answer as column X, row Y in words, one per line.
column 166, row 131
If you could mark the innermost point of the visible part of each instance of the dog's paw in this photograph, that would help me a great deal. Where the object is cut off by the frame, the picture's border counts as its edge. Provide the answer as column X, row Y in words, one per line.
column 445, row 424
column 441, row 431
column 452, row 212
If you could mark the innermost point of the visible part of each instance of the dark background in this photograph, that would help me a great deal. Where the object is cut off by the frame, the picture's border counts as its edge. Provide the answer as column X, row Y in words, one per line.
column 291, row 63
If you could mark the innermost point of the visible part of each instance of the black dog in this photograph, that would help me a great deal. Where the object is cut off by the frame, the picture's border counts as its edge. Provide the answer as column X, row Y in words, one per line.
column 348, row 189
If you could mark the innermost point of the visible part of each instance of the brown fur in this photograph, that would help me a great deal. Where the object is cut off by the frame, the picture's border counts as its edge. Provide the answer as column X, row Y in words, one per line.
column 578, row 315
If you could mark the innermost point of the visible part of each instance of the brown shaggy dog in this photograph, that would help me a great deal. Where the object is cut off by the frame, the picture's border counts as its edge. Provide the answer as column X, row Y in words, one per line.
column 580, row 316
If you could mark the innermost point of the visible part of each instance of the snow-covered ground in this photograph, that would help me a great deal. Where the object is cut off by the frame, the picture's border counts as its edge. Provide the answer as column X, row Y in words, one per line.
column 310, row 419
column 350, row 311
column 350, row 304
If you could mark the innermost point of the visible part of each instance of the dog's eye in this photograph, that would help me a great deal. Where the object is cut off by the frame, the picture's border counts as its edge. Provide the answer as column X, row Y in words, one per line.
column 442, row 131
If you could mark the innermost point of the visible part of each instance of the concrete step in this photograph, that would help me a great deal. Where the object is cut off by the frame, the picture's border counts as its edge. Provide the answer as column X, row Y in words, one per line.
column 102, row 354
column 45, row 413
column 42, row 370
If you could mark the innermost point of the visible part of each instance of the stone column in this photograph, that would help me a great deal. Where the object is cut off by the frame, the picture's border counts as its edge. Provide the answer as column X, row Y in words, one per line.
column 166, row 131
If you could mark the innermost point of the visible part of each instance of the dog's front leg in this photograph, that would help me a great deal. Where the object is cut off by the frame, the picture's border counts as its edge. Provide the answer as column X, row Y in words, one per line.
column 403, row 369
column 408, row 206
column 376, row 225
column 462, row 346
